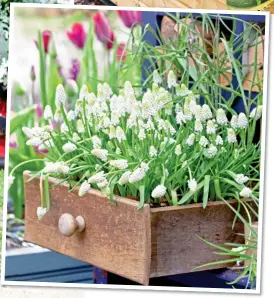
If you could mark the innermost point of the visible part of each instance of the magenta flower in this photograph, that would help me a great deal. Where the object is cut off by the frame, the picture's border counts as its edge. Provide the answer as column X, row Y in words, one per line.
column 121, row 54
column 46, row 35
column 130, row 18
column 13, row 145
column 77, row 35
column 39, row 111
column 103, row 30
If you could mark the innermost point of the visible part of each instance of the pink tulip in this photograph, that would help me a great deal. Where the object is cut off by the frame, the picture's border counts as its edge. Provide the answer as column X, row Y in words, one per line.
column 77, row 35
column 130, row 18
column 46, row 35
column 103, row 30
column 121, row 54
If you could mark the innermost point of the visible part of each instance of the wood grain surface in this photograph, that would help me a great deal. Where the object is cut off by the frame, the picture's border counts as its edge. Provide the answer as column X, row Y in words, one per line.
column 198, row 4
column 176, row 247
column 134, row 244
column 116, row 238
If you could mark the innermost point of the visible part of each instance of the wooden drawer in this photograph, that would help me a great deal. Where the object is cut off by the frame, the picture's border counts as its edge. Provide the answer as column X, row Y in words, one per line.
column 134, row 244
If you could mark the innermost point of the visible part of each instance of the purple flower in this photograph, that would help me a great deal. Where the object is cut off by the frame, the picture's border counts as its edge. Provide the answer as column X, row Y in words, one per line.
column 39, row 111
column 75, row 69
column 13, row 145
column 130, row 18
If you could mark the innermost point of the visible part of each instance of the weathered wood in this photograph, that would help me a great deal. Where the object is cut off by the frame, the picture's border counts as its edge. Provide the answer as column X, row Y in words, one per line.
column 176, row 247
column 257, row 81
column 134, row 244
column 198, row 4
column 116, row 238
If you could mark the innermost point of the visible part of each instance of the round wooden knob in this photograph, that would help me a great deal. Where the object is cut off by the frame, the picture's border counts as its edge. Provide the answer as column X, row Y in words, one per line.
column 68, row 225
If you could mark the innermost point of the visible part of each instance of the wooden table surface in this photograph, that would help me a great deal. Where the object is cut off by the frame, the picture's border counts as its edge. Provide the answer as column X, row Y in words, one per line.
column 199, row 4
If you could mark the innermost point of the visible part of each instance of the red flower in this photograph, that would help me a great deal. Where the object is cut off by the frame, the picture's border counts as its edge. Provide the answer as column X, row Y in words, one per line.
column 46, row 35
column 77, row 35
column 130, row 18
column 121, row 54
column 103, row 30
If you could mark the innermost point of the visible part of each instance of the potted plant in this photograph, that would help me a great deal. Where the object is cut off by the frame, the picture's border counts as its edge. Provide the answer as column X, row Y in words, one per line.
column 130, row 180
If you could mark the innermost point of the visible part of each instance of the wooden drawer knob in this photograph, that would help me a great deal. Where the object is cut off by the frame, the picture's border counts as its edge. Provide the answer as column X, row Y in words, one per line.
column 68, row 225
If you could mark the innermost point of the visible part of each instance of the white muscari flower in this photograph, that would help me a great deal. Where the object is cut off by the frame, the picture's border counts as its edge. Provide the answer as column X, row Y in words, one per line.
column 246, row 192
column 187, row 113
column 152, row 152
column 124, row 178
column 180, row 117
column 192, row 185
column 103, row 184
column 212, row 151
column 119, row 164
column 171, row 79
column 71, row 115
column 219, row 141
column 56, row 168
column 97, row 178
column 256, row 112
column 118, row 151
column 198, row 125
column 69, row 147
column 178, row 150
column 100, row 153
column 157, row 79
column 107, row 91
column 58, row 115
column 64, row 128
column 48, row 115
column 221, row 117
column 83, row 93
column 80, row 126
column 10, row 181
column 27, row 131
column 112, row 132
column 182, row 90
column 142, row 134
column 190, row 140
column 144, row 166
column 158, row 192
column 203, row 141
column 137, row 175
column 96, row 142
column 210, row 127
column 105, row 192
column 75, row 137
column 119, row 134
column 195, row 109
column 41, row 212
column 206, row 113
column 234, row 122
column 60, row 96
column 34, row 142
column 128, row 90
column 241, row 178
column 84, row 188
column 242, row 121
column 231, row 136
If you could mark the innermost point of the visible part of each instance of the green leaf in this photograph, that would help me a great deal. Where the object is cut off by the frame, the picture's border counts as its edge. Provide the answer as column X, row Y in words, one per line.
column 21, row 118
column 142, row 197
column 186, row 197
column 206, row 190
